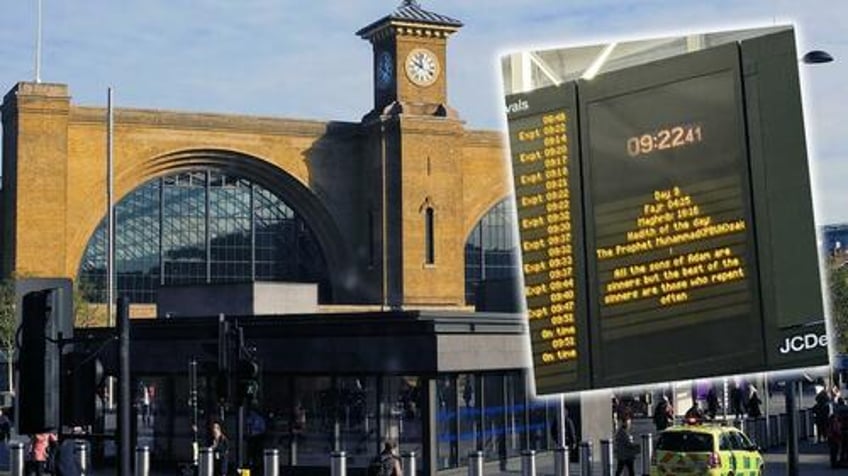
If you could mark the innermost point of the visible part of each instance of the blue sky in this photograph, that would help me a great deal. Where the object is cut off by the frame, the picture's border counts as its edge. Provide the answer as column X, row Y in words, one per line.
column 301, row 59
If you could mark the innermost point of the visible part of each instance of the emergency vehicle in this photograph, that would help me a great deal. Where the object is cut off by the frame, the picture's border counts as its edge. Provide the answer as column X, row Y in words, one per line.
column 705, row 449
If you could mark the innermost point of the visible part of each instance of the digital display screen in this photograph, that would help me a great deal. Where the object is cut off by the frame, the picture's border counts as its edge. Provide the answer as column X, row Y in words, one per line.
column 657, row 212
column 671, row 239
column 671, row 222
column 546, row 188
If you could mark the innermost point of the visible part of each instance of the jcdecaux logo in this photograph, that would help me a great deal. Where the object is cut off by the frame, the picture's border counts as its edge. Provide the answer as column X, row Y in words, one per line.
column 800, row 343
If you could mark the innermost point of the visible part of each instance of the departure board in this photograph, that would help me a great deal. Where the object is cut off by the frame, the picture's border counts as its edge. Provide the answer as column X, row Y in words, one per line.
column 670, row 227
column 542, row 130
column 657, row 211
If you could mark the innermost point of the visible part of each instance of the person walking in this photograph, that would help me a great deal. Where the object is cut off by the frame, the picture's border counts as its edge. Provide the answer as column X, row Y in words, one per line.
column 5, row 426
column 712, row 403
column 388, row 462
column 42, row 444
column 754, row 403
column 625, row 449
column 220, row 446
column 663, row 414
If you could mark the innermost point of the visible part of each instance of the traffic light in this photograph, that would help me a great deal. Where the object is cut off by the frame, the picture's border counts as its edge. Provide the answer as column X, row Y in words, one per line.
column 248, row 380
column 38, row 365
column 83, row 379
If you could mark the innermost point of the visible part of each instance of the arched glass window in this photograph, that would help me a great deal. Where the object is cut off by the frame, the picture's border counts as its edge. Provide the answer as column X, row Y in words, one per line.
column 202, row 226
column 491, row 251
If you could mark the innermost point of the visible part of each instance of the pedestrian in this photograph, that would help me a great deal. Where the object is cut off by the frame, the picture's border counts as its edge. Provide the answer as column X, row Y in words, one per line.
column 625, row 449
column 712, row 403
column 663, row 414
column 255, row 429
column 570, row 441
column 41, row 452
column 736, row 402
column 389, row 461
column 220, row 446
column 66, row 462
column 694, row 414
column 5, row 426
column 821, row 414
column 144, row 403
column 754, row 403
column 834, row 439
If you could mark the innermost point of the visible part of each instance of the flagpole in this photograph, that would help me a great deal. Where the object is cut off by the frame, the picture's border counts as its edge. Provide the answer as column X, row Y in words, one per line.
column 38, row 47
column 110, row 214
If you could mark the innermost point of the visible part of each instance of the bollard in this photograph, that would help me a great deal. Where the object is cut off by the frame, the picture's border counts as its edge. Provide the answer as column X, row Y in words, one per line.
column 586, row 458
column 16, row 458
column 811, row 425
column 815, row 433
column 293, row 451
column 271, row 462
column 606, row 458
column 475, row 463
column 206, row 462
column 647, row 453
column 561, row 461
column 338, row 464
column 81, row 456
column 528, row 463
column 142, row 461
column 408, row 463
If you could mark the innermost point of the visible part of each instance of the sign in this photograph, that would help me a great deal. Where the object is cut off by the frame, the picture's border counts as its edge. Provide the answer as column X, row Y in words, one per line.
column 648, row 226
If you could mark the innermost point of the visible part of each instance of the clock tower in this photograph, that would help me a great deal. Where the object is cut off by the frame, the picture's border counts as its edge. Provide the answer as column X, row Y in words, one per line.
column 409, row 47
column 413, row 163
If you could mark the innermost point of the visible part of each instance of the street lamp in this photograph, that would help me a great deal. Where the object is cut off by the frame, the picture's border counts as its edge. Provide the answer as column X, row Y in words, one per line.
column 817, row 57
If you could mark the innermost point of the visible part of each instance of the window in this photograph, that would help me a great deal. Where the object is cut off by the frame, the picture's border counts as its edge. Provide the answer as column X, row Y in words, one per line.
column 429, row 240
column 685, row 442
column 491, row 252
column 202, row 226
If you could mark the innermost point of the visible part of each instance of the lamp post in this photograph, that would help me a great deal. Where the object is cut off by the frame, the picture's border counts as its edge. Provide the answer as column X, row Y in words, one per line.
column 811, row 57
column 816, row 57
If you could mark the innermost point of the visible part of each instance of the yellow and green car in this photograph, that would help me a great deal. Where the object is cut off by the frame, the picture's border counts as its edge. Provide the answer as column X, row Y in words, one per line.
column 705, row 450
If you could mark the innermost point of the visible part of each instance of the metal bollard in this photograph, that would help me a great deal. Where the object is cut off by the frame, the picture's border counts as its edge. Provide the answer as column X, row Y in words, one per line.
column 293, row 451
column 586, row 458
column 647, row 453
column 811, row 425
column 206, row 464
column 408, row 462
column 561, row 461
column 271, row 462
column 528, row 463
column 81, row 456
column 142, row 461
column 475, row 463
column 16, row 458
column 338, row 463
column 606, row 458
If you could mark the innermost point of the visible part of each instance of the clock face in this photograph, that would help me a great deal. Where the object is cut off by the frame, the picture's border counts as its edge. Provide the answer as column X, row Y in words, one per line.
column 422, row 67
column 385, row 70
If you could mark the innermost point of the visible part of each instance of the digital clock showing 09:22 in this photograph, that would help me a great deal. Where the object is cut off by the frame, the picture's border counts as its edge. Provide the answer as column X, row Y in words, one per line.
column 668, row 138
